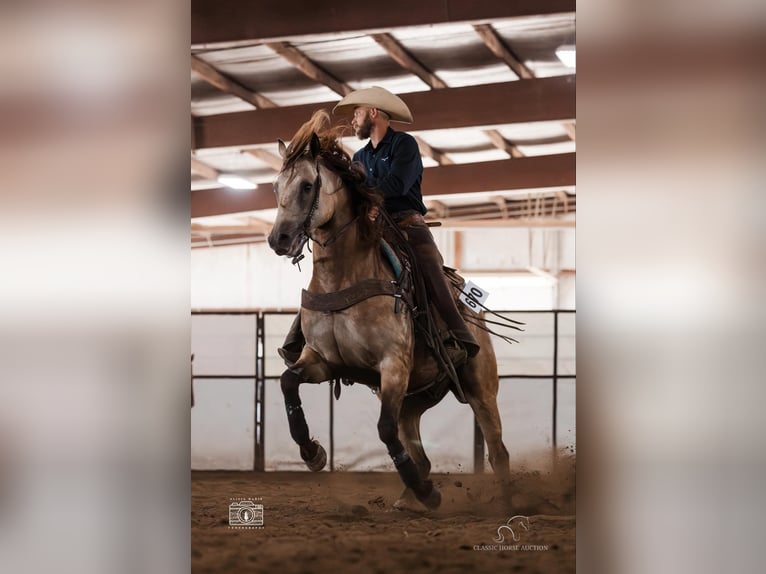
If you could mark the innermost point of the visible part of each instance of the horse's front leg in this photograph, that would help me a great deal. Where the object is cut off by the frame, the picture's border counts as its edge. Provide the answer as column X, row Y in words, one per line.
column 312, row 453
column 394, row 376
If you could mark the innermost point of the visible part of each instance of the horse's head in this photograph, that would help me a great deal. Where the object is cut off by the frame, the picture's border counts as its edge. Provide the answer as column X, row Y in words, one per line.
column 319, row 189
column 307, row 197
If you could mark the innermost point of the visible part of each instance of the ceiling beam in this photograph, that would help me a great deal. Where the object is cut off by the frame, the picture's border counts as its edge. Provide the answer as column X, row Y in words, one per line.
column 546, row 140
column 270, row 159
column 204, row 170
column 500, row 142
column 569, row 128
column 234, row 20
column 228, row 85
column 438, row 208
column 437, row 155
column 499, row 48
column 309, row 68
column 541, row 99
column 490, row 176
column 407, row 61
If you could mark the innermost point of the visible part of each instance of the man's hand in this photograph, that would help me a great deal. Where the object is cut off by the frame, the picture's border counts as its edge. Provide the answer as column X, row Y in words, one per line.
column 374, row 212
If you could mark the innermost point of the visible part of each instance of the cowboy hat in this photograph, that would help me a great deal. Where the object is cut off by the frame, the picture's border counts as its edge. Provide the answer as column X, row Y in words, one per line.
column 375, row 97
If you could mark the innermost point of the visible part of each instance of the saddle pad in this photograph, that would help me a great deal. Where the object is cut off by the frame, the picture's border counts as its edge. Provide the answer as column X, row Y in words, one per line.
column 391, row 257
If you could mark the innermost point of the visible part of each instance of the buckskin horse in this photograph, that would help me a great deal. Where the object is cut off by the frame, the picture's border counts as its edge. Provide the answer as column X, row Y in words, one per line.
column 323, row 198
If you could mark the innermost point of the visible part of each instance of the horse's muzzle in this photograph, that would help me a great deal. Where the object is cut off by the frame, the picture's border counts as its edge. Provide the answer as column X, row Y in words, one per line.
column 284, row 243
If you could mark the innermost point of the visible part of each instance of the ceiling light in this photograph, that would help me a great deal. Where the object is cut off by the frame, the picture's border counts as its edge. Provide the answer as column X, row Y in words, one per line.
column 567, row 55
column 236, row 182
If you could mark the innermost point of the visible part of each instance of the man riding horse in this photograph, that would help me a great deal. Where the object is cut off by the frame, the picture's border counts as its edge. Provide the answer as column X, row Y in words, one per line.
column 357, row 312
column 391, row 160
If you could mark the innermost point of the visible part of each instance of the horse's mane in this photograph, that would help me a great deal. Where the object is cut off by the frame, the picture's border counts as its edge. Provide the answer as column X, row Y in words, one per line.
column 335, row 158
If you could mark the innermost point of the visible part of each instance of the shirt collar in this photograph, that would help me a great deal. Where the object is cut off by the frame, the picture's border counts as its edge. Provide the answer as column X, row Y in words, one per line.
column 386, row 139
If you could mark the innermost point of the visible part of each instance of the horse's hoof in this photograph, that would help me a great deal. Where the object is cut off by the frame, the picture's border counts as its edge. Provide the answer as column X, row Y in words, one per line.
column 408, row 501
column 433, row 499
column 319, row 460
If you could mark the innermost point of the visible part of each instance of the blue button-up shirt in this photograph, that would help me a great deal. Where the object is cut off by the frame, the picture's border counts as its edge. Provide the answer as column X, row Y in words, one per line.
column 396, row 170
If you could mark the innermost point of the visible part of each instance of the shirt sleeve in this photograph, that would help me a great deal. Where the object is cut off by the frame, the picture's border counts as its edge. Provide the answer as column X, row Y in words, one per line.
column 406, row 167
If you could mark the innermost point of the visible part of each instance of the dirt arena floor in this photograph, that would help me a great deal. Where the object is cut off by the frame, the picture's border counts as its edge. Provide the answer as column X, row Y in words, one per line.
column 344, row 522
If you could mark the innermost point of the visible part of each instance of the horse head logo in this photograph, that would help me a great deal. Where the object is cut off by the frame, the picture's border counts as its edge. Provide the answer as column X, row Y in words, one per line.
column 514, row 525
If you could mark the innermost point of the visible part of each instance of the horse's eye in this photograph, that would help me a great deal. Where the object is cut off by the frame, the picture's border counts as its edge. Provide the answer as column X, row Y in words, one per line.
column 307, row 187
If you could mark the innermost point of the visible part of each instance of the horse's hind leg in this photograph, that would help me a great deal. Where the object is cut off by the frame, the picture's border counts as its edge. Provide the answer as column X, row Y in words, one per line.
column 394, row 377
column 485, row 408
column 480, row 378
column 491, row 427
column 312, row 453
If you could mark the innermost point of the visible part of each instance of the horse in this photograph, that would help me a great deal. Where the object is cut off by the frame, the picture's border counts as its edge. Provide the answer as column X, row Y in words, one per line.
column 323, row 197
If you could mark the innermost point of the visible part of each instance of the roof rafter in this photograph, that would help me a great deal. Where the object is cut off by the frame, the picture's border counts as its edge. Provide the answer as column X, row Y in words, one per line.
column 500, row 142
column 308, row 67
column 407, row 61
column 228, row 85
column 437, row 155
column 499, row 48
column 204, row 170
column 569, row 127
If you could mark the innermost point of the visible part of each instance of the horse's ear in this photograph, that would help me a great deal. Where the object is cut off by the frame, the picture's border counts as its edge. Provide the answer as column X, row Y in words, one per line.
column 282, row 149
column 314, row 145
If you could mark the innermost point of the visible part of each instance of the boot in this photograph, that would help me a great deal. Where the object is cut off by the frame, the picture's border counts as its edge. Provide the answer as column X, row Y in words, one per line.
column 457, row 353
column 464, row 338
column 290, row 351
column 431, row 267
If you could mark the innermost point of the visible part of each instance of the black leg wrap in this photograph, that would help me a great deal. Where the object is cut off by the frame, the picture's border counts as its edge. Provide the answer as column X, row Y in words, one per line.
column 299, row 430
column 409, row 473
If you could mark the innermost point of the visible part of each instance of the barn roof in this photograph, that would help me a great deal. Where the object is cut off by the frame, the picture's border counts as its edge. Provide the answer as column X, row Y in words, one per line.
column 494, row 105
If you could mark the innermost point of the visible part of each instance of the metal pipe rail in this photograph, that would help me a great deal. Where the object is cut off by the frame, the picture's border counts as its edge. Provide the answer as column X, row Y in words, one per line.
column 260, row 378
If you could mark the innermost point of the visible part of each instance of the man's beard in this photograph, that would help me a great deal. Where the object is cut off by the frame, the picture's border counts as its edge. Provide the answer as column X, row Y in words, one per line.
column 364, row 130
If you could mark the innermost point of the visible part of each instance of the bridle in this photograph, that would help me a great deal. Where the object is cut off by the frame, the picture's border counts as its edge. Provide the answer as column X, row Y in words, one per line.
column 306, row 233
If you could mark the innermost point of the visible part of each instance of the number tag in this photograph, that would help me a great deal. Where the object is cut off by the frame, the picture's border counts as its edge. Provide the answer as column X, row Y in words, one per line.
column 473, row 295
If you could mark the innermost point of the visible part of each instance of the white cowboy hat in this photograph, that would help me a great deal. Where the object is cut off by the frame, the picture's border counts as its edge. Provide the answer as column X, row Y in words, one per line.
column 375, row 97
